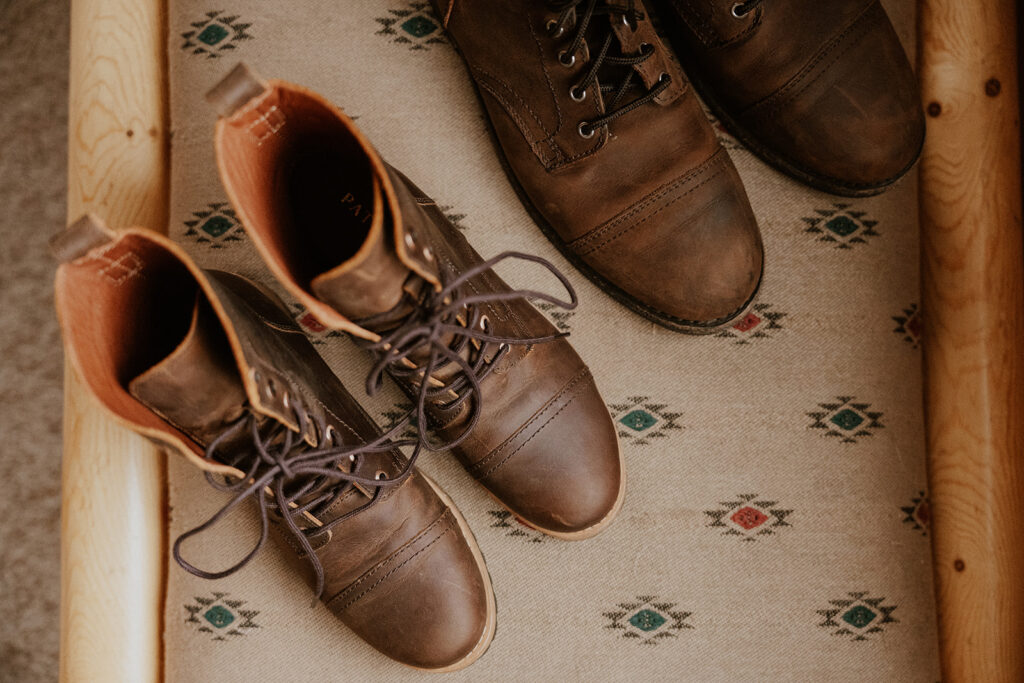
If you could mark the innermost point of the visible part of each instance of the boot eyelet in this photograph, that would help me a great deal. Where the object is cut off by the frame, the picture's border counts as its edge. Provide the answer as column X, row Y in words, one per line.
column 585, row 130
column 428, row 253
column 551, row 26
column 576, row 94
column 270, row 390
column 330, row 435
column 646, row 49
column 739, row 11
column 566, row 59
column 352, row 457
column 380, row 476
column 286, row 400
column 485, row 323
column 409, row 241
column 664, row 77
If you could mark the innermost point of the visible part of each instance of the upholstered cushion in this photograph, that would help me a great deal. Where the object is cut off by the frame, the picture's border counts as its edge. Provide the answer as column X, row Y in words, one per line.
column 775, row 524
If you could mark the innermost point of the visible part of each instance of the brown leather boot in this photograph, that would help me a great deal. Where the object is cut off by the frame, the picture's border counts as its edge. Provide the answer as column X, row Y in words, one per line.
column 612, row 154
column 213, row 367
column 821, row 91
column 369, row 253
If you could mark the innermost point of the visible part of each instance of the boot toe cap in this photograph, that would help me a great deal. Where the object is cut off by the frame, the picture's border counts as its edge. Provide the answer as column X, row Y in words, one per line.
column 561, row 474
column 428, row 606
column 694, row 259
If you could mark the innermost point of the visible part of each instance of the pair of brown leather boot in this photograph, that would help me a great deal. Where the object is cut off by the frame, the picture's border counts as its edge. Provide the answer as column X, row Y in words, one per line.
column 213, row 366
column 610, row 151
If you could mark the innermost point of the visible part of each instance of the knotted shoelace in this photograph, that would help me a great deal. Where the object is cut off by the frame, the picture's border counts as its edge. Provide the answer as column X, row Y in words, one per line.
column 584, row 11
column 439, row 327
column 288, row 476
column 297, row 481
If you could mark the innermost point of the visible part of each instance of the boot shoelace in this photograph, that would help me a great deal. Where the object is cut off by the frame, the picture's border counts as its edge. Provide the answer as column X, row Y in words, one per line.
column 288, row 476
column 449, row 329
column 741, row 9
column 568, row 10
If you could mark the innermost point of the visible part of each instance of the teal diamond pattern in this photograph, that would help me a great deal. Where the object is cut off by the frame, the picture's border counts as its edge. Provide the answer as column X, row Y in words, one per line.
column 857, row 616
column 215, row 35
column 638, row 420
column 219, row 616
column 841, row 225
column 641, row 421
column 846, row 419
column 413, row 25
column 647, row 620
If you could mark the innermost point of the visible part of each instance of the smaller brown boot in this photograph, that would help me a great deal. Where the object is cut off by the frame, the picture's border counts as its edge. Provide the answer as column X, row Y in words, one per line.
column 821, row 90
column 212, row 366
column 367, row 252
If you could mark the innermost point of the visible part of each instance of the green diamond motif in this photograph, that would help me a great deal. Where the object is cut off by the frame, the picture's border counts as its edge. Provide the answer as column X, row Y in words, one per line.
column 219, row 616
column 647, row 620
column 213, row 34
column 638, row 420
column 847, row 419
column 843, row 226
column 419, row 26
column 859, row 616
column 216, row 226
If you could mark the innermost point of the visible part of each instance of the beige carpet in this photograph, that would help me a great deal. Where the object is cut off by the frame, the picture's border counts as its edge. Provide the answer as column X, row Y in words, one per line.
column 33, row 123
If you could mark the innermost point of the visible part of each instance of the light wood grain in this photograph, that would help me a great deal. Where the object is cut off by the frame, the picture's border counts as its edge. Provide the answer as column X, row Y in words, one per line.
column 113, row 515
column 973, row 301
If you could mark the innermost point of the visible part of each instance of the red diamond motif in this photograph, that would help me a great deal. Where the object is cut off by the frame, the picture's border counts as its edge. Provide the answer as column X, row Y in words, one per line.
column 749, row 518
column 914, row 326
column 922, row 513
column 749, row 322
column 310, row 322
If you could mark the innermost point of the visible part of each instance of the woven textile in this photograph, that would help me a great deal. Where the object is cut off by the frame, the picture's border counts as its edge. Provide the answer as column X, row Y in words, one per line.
column 775, row 523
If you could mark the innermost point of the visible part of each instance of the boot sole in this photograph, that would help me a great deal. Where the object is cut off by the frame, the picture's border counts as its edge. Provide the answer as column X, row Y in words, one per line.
column 692, row 327
column 750, row 141
column 488, row 635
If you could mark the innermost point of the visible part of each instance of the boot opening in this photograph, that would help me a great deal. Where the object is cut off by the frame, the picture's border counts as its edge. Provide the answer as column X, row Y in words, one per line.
column 123, row 311
column 304, row 183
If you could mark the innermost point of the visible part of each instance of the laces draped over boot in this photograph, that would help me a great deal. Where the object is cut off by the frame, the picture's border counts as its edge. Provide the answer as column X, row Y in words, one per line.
column 447, row 328
column 295, row 481
column 580, row 14
column 298, row 482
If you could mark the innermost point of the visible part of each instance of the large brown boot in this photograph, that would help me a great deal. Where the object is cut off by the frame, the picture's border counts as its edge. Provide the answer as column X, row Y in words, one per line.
column 612, row 154
column 821, row 90
column 209, row 365
column 368, row 253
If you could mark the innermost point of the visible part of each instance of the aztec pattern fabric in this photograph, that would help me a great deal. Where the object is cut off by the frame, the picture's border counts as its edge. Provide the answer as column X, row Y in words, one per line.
column 776, row 518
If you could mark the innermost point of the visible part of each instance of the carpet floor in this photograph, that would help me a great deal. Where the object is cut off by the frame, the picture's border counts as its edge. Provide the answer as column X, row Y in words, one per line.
column 33, row 185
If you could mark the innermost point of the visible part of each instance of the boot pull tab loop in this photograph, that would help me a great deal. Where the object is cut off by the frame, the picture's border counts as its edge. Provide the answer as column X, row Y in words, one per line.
column 235, row 90
column 81, row 237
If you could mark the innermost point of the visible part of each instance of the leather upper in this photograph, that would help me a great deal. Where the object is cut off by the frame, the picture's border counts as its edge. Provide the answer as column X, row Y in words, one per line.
column 651, row 205
column 179, row 353
column 828, row 91
column 572, row 448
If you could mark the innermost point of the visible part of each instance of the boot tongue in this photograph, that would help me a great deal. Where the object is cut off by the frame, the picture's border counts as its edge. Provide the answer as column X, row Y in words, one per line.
column 372, row 281
column 197, row 387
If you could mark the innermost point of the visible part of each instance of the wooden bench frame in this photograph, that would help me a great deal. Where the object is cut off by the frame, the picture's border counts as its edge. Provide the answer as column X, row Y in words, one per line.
column 114, row 483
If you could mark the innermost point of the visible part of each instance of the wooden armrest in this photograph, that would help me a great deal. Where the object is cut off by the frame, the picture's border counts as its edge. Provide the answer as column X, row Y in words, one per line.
column 113, row 514
column 973, row 303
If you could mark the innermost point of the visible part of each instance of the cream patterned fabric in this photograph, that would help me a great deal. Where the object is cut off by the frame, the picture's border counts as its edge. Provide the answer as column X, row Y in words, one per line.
column 775, row 524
